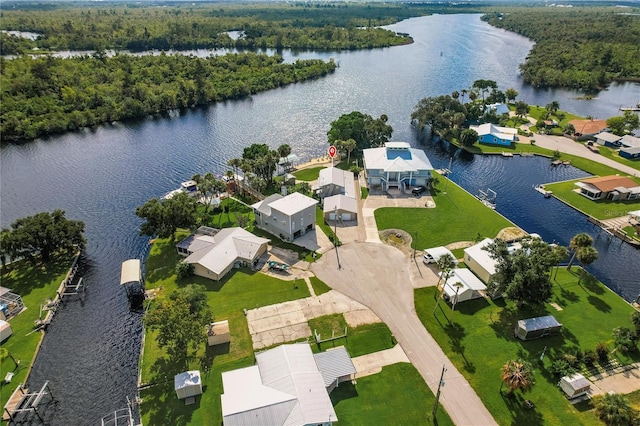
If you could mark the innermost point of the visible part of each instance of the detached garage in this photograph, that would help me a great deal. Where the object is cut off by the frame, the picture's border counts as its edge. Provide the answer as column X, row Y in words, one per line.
column 534, row 328
column 340, row 207
column 575, row 385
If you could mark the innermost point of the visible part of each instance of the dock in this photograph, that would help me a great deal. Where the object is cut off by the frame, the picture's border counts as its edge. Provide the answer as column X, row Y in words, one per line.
column 507, row 154
column 543, row 191
column 613, row 231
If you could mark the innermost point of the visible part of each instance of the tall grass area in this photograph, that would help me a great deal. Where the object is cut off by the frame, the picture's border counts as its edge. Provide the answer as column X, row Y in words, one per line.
column 435, row 225
column 480, row 340
column 240, row 289
column 33, row 283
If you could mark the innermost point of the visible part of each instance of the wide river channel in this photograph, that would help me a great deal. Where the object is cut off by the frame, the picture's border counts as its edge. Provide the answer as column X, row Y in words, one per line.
column 100, row 176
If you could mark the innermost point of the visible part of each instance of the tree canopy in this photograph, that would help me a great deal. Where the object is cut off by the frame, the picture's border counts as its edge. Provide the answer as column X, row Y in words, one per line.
column 163, row 217
column 44, row 234
column 366, row 131
column 523, row 274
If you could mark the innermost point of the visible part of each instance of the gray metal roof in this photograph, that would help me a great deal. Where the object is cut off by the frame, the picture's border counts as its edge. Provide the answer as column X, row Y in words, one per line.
column 382, row 158
column 539, row 323
column 293, row 203
column 333, row 364
column 340, row 202
column 609, row 137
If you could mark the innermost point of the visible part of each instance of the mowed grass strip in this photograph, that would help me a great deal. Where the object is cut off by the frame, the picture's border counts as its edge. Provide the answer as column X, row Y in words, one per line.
column 458, row 216
column 33, row 283
column 319, row 287
column 309, row 174
column 396, row 396
column 480, row 340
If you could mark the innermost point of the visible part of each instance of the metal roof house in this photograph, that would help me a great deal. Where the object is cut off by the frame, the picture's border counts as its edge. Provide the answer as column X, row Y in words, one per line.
column 479, row 261
column 608, row 139
column 340, row 207
column 490, row 134
column 214, row 256
column 396, row 165
column 615, row 188
column 334, row 181
column 471, row 287
column 630, row 141
column 575, row 385
column 287, row 386
column 630, row 153
column 533, row 328
column 288, row 217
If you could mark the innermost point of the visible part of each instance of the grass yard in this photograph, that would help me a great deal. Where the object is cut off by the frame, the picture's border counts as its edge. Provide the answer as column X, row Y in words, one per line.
column 319, row 287
column 364, row 192
column 309, row 174
column 601, row 209
column 480, row 341
column 613, row 154
column 240, row 289
column 361, row 340
column 34, row 283
column 320, row 223
column 396, row 396
column 434, row 225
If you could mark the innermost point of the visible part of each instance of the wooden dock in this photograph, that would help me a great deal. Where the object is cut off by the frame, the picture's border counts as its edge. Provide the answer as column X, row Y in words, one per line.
column 614, row 232
column 14, row 400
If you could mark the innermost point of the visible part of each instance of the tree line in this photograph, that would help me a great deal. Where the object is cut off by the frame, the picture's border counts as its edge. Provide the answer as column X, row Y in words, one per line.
column 582, row 48
column 48, row 95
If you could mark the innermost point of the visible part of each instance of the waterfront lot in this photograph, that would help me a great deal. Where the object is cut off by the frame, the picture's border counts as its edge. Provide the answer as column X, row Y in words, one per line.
column 601, row 209
column 34, row 283
column 434, row 226
column 247, row 289
column 480, row 340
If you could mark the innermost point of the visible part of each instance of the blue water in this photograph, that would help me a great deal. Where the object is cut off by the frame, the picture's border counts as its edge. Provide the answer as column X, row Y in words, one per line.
column 101, row 175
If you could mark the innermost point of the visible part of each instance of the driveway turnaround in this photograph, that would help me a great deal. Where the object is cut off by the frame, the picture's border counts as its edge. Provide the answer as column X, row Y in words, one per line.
column 380, row 277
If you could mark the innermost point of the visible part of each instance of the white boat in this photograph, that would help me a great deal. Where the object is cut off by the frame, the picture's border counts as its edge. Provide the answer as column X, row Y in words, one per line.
column 635, row 108
column 189, row 187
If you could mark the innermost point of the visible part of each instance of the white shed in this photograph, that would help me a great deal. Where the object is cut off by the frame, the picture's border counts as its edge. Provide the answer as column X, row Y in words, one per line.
column 5, row 330
column 218, row 333
column 472, row 287
column 188, row 384
column 575, row 385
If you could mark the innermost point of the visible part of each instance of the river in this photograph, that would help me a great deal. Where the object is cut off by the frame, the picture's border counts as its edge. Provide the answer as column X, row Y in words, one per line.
column 101, row 175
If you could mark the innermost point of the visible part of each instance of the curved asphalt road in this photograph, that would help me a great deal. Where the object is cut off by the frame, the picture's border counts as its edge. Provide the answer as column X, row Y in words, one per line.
column 379, row 276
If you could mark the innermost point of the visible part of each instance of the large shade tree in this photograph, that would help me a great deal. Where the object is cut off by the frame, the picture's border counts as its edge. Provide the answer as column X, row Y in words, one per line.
column 615, row 410
column 164, row 217
column 368, row 132
column 44, row 234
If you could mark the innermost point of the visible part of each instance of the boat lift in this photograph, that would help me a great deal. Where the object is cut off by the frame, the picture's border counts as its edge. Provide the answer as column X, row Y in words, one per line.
column 488, row 197
column 131, row 279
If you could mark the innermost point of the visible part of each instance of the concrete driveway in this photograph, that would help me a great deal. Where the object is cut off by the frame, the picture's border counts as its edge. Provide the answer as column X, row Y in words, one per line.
column 381, row 278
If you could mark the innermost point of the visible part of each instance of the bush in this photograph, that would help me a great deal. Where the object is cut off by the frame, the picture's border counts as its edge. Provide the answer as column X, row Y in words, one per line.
column 602, row 350
column 184, row 269
column 561, row 367
column 571, row 360
column 589, row 358
column 624, row 339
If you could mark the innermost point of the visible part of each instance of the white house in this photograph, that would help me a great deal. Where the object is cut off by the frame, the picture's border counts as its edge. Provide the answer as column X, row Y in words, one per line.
column 334, row 181
column 288, row 217
column 491, row 134
column 608, row 139
column 396, row 165
column 575, row 385
column 286, row 386
column 615, row 188
column 471, row 287
column 340, row 207
column 479, row 261
column 214, row 256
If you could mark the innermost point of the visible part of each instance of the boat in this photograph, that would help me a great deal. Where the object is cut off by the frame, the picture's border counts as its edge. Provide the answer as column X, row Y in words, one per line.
column 189, row 187
column 635, row 108
column 488, row 198
column 543, row 191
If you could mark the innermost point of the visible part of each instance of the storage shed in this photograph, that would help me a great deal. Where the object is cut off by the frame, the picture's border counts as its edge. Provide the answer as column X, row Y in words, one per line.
column 218, row 333
column 533, row 328
column 575, row 385
column 188, row 384
column 5, row 330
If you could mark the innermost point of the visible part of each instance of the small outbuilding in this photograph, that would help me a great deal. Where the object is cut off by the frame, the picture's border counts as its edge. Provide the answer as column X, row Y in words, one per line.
column 218, row 333
column 5, row 330
column 574, row 386
column 188, row 384
column 470, row 286
column 533, row 328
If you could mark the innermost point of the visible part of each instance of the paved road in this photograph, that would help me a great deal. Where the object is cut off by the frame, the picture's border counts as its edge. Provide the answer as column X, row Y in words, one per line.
column 380, row 277
column 568, row 146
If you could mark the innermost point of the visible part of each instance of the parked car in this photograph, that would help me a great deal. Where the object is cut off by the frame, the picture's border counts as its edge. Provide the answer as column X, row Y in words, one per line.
column 418, row 190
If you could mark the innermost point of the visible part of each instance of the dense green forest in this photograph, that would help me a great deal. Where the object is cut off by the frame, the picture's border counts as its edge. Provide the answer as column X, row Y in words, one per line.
column 50, row 95
column 335, row 26
column 583, row 48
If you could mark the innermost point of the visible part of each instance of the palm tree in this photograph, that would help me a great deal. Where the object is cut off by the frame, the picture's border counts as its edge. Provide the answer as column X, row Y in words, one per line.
column 614, row 409
column 458, row 286
column 517, row 375
column 586, row 256
column 463, row 93
column 235, row 163
column 446, row 264
column 558, row 253
column 580, row 240
column 349, row 145
column 455, row 94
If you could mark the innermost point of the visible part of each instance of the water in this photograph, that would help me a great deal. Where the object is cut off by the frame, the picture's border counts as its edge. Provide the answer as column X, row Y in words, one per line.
column 100, row 176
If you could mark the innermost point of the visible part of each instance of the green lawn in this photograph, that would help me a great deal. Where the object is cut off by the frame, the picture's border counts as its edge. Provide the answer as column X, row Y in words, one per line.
column 309, row 174
column 240, row 289
column 434, row 226
column 34, row 283
column 364, row 192
column 396, row 396
column 613, row 154
column 319, row 287
column 601, row 209
column 320, row 222
column 480, row 340
column 361, row 340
